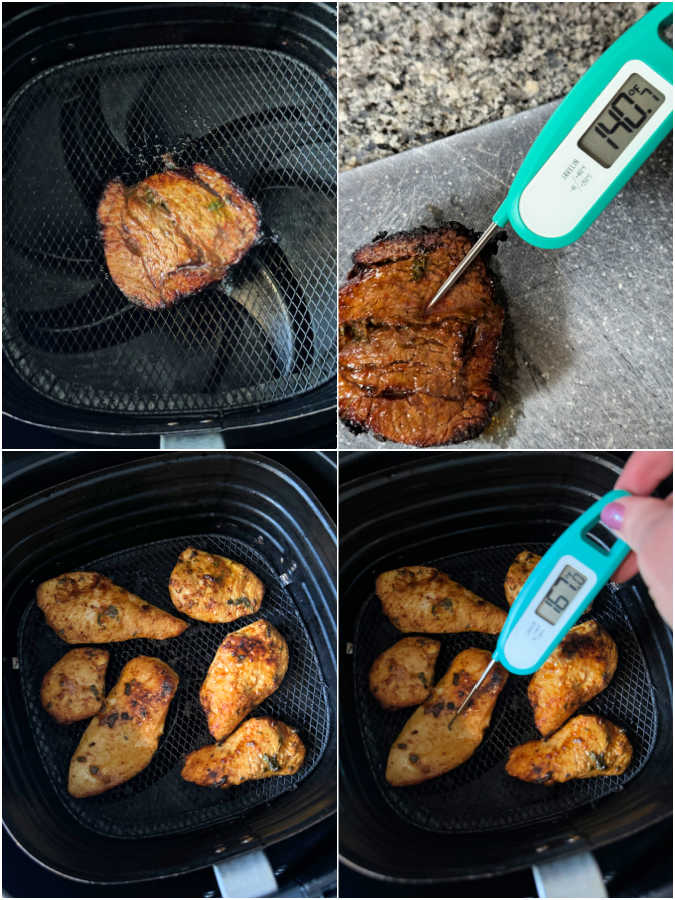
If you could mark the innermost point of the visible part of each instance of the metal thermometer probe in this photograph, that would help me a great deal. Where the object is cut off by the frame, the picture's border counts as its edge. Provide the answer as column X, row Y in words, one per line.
column 610, row 122
column 557, row 592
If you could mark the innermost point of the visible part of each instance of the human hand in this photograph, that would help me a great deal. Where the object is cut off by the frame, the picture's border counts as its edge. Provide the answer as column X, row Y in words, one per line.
column 646, row 525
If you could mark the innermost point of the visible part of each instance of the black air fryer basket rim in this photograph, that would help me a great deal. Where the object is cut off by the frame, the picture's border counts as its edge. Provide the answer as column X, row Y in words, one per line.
column 307, row 36
column 59, row 842
column 376, row 842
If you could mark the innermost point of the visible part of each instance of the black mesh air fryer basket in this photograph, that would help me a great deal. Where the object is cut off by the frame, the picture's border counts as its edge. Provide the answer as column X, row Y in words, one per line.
column 248, row 89
column 469, row 515
column 130, row 523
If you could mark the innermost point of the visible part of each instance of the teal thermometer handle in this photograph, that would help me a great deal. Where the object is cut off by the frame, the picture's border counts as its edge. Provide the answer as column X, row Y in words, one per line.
column 641, row 42
column 586, row 555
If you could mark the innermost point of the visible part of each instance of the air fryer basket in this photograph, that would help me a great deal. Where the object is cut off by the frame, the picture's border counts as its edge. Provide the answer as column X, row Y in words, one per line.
column 479, row 795
column 469, row 515
column 266, row 333
column 131, row 522
column 158, row 801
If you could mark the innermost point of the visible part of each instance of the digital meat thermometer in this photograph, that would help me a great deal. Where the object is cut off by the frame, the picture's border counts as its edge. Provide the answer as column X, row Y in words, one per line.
column 559, row 589
column 599, row 136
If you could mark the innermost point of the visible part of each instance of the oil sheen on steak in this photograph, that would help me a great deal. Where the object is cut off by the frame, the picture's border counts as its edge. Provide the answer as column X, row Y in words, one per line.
column 406, row 375
column 175, row 232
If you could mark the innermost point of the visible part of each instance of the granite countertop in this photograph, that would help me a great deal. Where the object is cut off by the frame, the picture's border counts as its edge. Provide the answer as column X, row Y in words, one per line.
column 411, row 73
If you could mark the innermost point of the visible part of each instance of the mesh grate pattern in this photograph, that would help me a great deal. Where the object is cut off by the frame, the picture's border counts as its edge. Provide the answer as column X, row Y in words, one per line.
column 479, row 795
column 157, row 800
column 263, row 334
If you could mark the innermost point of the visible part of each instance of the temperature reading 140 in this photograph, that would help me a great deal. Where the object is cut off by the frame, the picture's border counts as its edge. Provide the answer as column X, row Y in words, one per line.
column 625, row 115
column 561, row 593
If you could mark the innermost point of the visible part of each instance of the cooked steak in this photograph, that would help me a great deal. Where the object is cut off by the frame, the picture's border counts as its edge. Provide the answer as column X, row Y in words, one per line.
column 174, row 233
column 406, row 375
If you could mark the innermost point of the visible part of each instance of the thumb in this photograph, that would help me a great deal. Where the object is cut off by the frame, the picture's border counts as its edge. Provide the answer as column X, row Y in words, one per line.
column 646, row 525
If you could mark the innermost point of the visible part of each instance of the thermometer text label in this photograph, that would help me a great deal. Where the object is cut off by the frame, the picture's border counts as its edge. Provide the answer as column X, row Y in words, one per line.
column 561, row 593
column 625, row 115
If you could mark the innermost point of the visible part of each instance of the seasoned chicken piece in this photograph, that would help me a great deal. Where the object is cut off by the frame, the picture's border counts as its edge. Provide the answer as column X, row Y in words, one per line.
column 122, row 738
column 519, row 571
column 260, row 748
column 74, row 687
column 431, row 743
column 419, row 598
column 249, row 665
column 213, row 588
column 85, row 607
column 404, row 674
column 581, row 666
column 586, row 747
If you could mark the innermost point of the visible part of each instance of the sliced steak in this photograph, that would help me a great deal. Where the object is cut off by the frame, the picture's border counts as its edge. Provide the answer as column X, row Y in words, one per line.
column 406, row 375
column 175, row 232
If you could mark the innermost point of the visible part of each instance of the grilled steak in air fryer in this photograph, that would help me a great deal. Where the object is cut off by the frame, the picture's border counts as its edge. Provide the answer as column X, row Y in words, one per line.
column 174, row 233
column 406, row 375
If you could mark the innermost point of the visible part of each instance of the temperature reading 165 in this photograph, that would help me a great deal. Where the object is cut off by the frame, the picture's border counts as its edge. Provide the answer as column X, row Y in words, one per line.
column 561, row 593
column 625, row 115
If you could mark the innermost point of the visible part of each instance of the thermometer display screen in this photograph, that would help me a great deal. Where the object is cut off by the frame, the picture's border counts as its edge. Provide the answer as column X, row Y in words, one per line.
column 561, row 593
column 621, row 120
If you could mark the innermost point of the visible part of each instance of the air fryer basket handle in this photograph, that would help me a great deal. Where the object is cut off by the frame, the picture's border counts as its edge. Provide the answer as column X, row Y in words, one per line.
column 577, row 875
column 247, row 875
column 197, row 440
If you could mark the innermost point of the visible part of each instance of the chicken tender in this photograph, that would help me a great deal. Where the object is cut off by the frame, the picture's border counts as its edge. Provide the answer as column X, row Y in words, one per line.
column 419, row 598
column 85, row 607
column 431, row 743
column 586, row 747
column 213, row 588
column 404, row 674
column 581, row 666
column 260, row 748
column 249, row 665
column 122, row 738
column 518, row 573
column 74, row 687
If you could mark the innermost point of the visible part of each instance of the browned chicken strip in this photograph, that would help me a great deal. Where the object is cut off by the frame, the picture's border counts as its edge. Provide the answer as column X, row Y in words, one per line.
column 431, row 743
column 122, row 738
column 404, row 674
column 85, row 607
column 586, row 747
column 74, row 687
column 419, row 598
column 518, row 573
column 249, row 665
column 260, row 748
column 581, row 666
column 213, row 588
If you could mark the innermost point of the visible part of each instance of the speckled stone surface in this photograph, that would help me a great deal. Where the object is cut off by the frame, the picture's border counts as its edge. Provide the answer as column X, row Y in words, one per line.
column 588, row 343
column 411, row 73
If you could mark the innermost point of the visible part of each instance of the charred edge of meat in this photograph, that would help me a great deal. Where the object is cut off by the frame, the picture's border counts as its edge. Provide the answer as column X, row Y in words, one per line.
column 469, row 429
column 423, row 231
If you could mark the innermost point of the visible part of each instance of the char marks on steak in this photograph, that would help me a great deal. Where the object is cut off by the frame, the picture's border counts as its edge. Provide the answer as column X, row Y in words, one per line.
column 406, row 375
column 174, row 233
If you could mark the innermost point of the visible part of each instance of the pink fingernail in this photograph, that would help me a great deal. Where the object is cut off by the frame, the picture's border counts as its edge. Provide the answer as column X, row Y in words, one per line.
column 612, row 515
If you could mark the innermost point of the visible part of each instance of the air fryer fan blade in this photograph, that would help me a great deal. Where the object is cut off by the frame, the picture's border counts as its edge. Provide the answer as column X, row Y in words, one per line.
column 266, row 334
